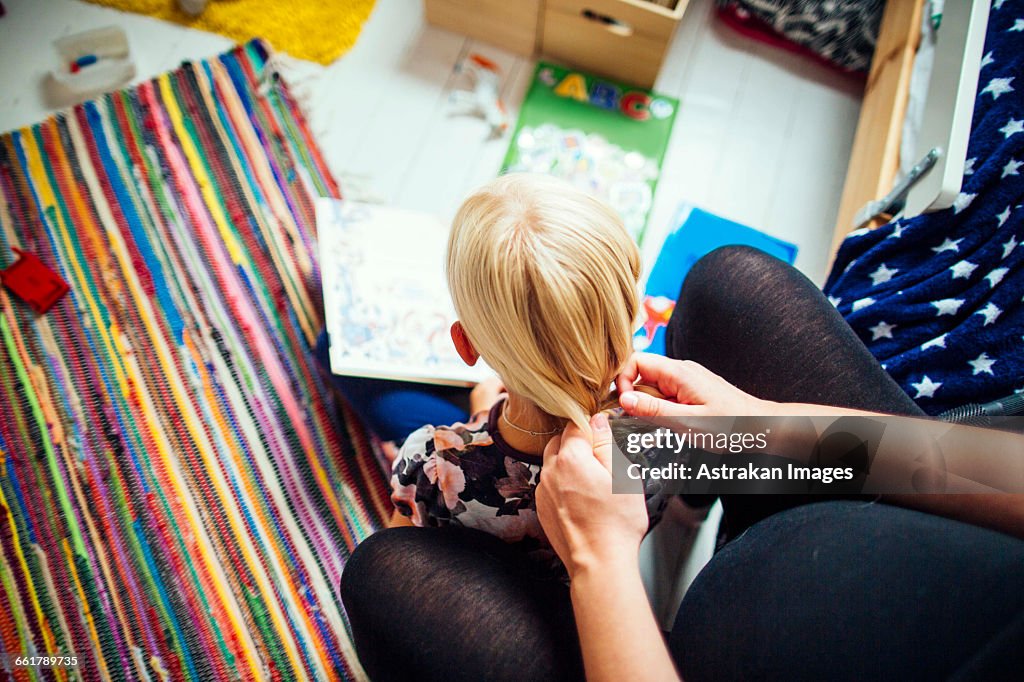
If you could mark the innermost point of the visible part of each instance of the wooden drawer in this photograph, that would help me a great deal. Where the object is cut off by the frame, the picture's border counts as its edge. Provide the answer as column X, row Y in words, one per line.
column 509, row 24
column 643, row 16
column 621, row 39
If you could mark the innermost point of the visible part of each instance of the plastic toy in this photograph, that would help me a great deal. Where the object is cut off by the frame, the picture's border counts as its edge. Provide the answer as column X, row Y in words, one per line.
column 192, row 7
column 485, row 98
column 33, row 282
column 657, row 310
column 93, row 61
column 84, row 60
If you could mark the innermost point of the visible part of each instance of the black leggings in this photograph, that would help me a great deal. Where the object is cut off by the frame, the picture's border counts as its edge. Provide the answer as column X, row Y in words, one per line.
column 810, row 590
column 765, row 328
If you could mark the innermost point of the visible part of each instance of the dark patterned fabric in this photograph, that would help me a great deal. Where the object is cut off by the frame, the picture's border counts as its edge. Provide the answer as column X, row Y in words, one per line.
column 463, row 474
column 843, row 33
column 937, row 297
column 467, row 475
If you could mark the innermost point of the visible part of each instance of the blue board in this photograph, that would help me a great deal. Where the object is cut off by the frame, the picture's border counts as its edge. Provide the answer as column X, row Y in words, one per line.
column 698, row 233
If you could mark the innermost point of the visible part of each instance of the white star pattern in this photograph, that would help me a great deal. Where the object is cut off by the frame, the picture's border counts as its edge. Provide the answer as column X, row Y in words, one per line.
column 1009, row 246
column 998, row 86
column 881, row 331
column 962, row 201
column 948, row 245
column 963, row 269
column 996, row 276
column 850, row 265
column 926, row 387
column 1004, row 216
column 982, row 364
column 1012, row 127
column 947, row 297
column 990, row 312
column 882, row 275
column 861, row 303
column 997, row 4
column 947, row 306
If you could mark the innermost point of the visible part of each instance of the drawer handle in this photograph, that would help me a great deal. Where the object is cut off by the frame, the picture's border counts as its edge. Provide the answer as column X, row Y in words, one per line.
column 611, row 23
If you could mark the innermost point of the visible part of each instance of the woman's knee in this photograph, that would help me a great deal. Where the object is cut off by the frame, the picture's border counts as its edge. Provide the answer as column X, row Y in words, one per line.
column 724, row 288
column 377, row 603
column 362, row 570
column 744, row 269
column 443, row 604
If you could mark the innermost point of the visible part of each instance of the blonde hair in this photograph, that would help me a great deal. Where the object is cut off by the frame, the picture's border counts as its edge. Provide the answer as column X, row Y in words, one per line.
column 544, row 280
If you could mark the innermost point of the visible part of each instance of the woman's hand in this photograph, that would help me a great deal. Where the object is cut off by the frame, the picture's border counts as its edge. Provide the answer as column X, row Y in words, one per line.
column 485, row 394
column 690, row 389
column 597, row 534
column 586, row 523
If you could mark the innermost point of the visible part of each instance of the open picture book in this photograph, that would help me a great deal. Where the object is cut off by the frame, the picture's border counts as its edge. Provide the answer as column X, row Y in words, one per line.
column 388, row 311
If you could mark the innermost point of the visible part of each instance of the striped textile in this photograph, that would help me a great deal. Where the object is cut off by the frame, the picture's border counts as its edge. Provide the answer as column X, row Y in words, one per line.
column 178, row 494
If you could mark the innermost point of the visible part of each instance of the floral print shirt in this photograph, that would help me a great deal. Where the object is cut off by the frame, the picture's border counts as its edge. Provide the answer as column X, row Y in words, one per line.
column 466, row 474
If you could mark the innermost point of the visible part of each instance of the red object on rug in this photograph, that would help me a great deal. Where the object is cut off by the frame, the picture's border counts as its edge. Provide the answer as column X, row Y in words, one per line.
column 33, row 282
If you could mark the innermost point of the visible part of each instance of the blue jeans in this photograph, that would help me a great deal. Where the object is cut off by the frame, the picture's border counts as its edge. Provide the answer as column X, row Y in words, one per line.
column 394, row 409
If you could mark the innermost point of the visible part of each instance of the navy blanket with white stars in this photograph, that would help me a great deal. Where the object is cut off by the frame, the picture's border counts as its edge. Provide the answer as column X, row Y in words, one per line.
column 938, row 298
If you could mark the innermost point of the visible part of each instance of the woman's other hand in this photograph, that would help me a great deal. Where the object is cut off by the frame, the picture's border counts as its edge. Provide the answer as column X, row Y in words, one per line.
column 690, row 390
column 597, row 535
column 588, row 526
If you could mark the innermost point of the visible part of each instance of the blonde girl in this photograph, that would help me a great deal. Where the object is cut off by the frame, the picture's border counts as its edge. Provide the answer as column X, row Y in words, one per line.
column 544, row 280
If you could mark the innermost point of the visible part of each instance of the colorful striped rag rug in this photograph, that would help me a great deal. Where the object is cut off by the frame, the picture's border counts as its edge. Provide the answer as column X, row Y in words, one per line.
column 178, row 492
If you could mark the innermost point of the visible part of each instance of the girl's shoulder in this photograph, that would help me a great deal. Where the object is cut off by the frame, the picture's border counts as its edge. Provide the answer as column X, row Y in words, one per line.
column 463, row 474
column 457, row 437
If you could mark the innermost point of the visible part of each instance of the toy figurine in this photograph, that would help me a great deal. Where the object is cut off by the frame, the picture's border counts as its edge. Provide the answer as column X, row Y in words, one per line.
column 192, row 7
column 485, row 97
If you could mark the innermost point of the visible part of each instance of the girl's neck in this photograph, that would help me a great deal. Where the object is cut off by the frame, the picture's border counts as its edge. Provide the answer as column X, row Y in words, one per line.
column 521, row 416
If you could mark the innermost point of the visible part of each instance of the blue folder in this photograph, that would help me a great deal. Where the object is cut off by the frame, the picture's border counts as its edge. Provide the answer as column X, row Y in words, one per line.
column 698, row 233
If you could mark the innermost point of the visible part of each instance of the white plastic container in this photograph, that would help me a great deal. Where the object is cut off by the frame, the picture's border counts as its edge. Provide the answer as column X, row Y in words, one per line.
column 113, row 66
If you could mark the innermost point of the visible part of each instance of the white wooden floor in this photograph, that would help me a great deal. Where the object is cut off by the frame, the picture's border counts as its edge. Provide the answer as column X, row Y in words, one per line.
column 762, row 137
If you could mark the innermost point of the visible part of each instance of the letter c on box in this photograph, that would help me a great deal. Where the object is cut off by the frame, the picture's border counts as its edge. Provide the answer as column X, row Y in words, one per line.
column 634, row 104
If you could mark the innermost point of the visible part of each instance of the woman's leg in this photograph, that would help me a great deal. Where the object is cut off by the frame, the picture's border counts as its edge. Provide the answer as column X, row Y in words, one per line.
column 830, row 590
column 764, row 327
column 833, row 590
column 456, row 604
column 856, row 591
